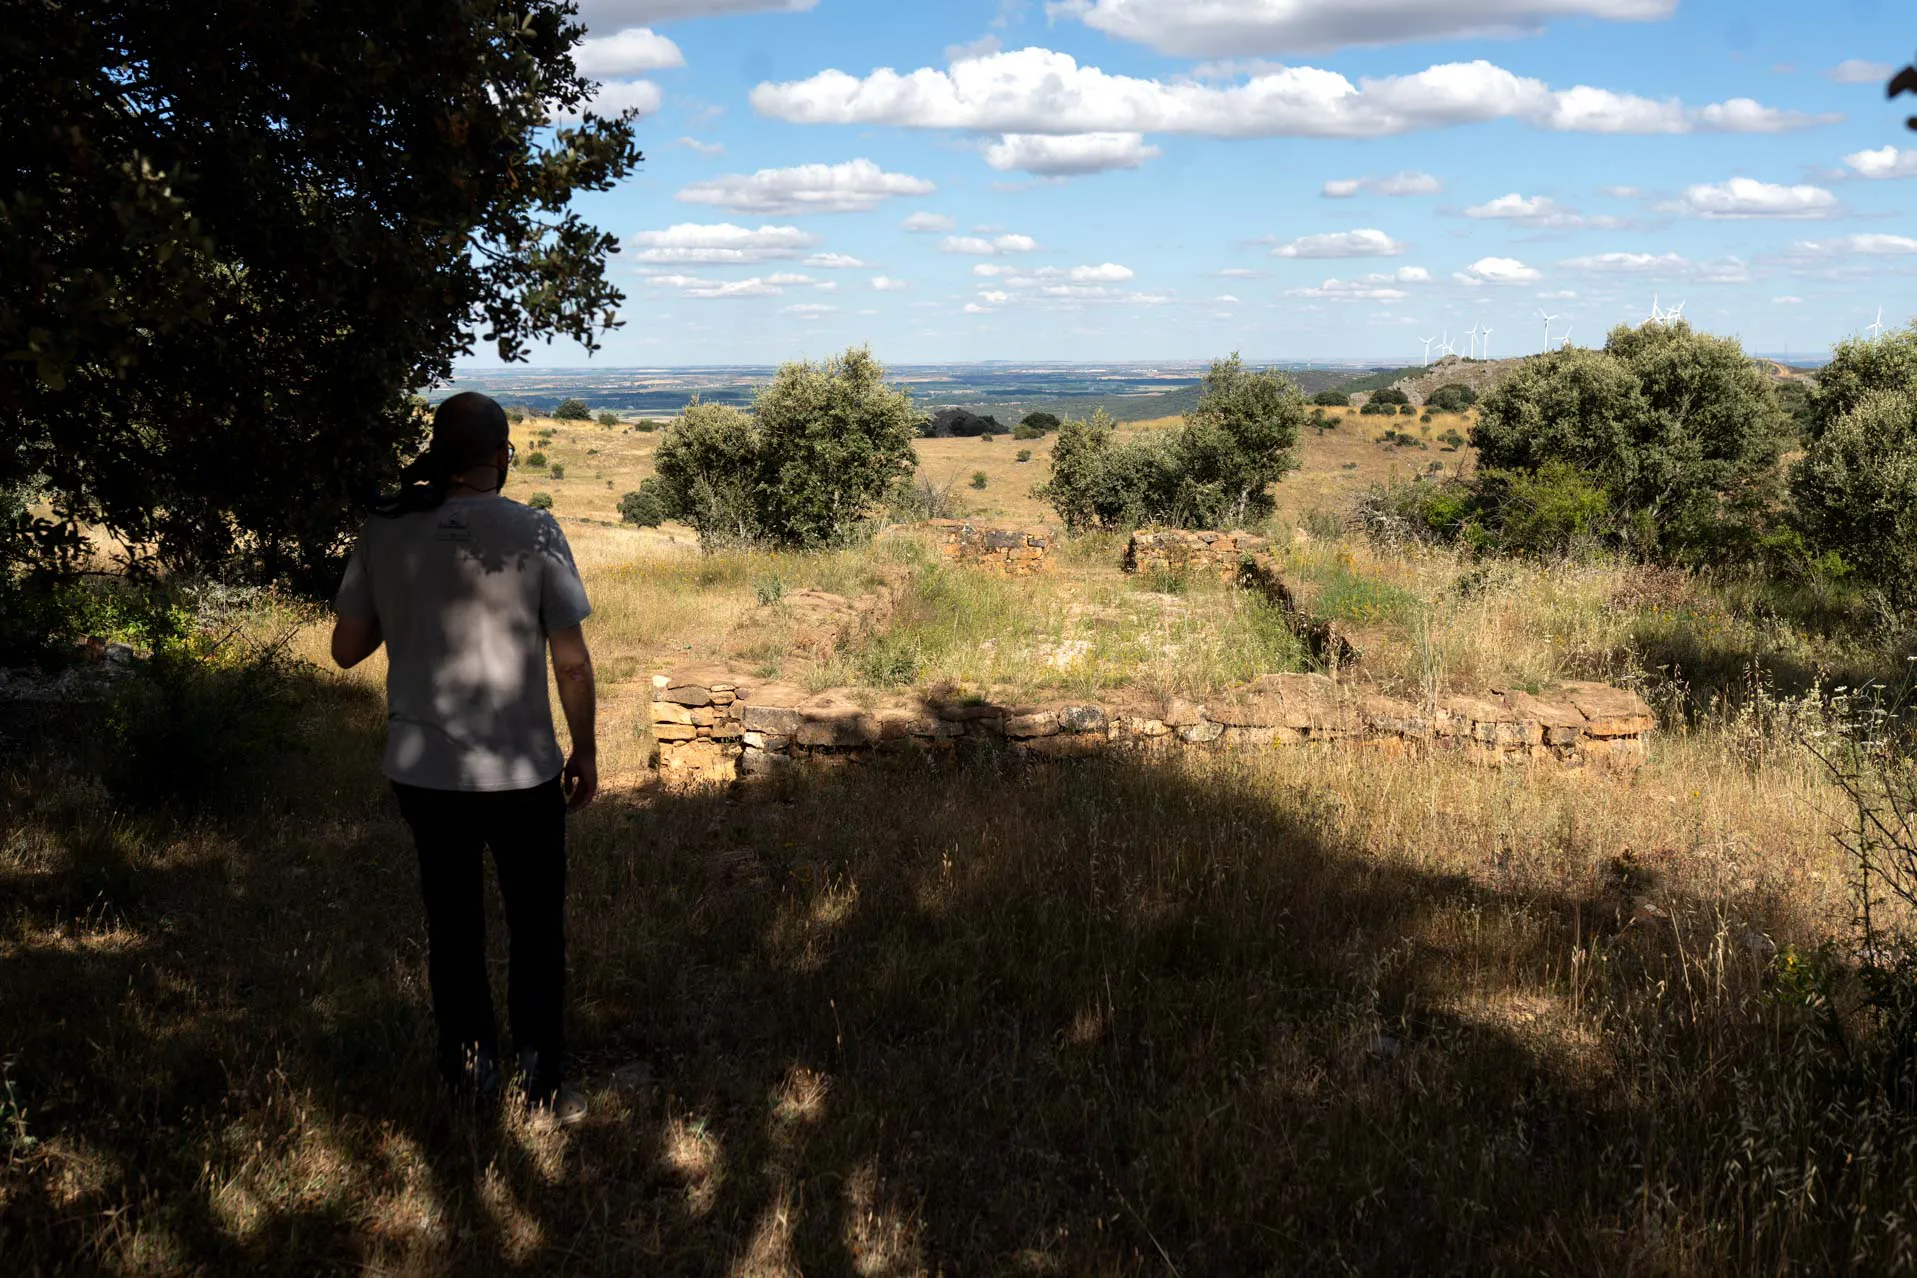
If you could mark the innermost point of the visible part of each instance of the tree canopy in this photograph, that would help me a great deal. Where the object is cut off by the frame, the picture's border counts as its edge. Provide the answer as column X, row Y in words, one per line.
column 1680, row 429
column 822, row 445
column 235, row 235
column 1215, row 471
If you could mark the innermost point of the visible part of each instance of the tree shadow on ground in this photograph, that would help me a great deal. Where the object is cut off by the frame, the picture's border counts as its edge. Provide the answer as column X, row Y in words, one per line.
column 1114, row 1017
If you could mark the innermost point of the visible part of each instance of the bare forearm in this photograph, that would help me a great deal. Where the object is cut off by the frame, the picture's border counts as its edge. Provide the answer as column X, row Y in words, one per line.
column 355, row 640
column 577, row 697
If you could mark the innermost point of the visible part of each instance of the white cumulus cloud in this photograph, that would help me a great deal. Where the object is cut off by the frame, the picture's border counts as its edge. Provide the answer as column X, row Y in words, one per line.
column 1369, row 242
column 1038, row 90
column 928, row 223
column 1498, row 270
column 836, row 262
column 693, row 286
column 1787, row 301
column 1886, row 162
column 694, row 243
column 1234, row 28
column 1399, row 184
column 633, row 51
column 614, row 97
column 808, row 310
column 978, row 246
column 1748, row 198
column 703, row 148
column 1671, row 266
column 1069, row 155
column 888, row 284
column 1380, row 287
column 1859, row 71
column 1539, row 211
column 856, row 186
column 1869, row 244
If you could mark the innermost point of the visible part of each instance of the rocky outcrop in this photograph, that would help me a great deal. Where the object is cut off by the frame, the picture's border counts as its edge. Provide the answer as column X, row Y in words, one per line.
column 711, row 726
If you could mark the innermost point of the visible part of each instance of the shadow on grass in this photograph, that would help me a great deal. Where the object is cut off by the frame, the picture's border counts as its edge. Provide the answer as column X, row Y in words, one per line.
column 1098, row 1018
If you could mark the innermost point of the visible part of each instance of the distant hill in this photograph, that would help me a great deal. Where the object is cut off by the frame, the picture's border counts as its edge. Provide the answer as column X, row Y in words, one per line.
column 1172, row 403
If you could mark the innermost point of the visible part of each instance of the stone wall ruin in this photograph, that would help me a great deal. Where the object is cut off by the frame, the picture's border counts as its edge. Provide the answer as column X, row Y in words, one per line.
column 1016, row 552
column 712, row 726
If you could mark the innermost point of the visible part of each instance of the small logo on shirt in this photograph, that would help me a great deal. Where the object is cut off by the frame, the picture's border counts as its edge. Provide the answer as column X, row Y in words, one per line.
column 453, row 528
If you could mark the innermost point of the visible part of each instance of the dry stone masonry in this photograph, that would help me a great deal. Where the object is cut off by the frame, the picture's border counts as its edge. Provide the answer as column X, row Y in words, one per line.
column 1016, row 552
column 713, row 727
column 1173, row 550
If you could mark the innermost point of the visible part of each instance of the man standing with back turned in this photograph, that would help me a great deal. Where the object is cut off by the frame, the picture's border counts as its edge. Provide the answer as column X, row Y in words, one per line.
column 468, row 590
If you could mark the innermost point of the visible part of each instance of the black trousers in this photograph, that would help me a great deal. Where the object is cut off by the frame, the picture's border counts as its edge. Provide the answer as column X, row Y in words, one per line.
column 526, row 830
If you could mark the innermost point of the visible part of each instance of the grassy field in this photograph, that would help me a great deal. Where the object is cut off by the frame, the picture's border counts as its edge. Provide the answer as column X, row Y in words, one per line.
column 1289, row 1012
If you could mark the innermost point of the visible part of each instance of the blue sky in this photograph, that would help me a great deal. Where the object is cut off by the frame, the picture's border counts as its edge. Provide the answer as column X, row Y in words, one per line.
column 955, row 180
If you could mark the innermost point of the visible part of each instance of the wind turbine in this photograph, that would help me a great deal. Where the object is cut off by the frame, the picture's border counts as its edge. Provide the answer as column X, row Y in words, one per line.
column 1473, row 335
column 1548, row 321
column 1485, row 350
column 1657, row 315
column 1566, row 339
column 1675, row 314
column 1427, row 348
column 1876, row 330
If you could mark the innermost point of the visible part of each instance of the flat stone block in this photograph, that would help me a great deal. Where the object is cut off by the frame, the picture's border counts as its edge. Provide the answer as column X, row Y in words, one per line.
column 669, row 712
column 674, row 732
column 1083, row 719
column 1201, row 733
column 770, row 719
column 1043, row 724
column 688, row 695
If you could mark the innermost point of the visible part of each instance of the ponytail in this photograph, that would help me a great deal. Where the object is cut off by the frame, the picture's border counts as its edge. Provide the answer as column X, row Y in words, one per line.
column 423, row 486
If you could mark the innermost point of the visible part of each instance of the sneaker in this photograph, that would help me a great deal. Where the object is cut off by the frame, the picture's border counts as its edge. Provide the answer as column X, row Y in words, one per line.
column 564, row 1108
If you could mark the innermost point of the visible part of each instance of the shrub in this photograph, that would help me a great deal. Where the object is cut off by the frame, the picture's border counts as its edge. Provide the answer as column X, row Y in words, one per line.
column 768, row 590
column 572, row 410
column 948, row 422
column 645, row 426
column 1024, row 455
column 515, row 414
column 194, row 723
column 1855, row 491
column 1680, row 430
column 1389, row 395
column 1858, row 368
column 1332, row 399
column 558, row 471
column 1040, row 422
column 537, row 459
column 1452, row 441
column 540, row 501
column 1024, row 432
column 1452, row 397
column 916, row 499
column 1550, row 511
column 1213, row 472
column 824, row 444
column 644, row 508
column 979, row 480
column 1406, row 410
column 608, row 419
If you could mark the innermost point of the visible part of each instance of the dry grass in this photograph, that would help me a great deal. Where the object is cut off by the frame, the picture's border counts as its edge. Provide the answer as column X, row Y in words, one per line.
column 1293, row 1011
column 1281, row 1012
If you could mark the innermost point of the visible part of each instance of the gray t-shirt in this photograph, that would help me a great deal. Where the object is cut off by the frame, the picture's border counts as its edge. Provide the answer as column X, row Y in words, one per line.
column 465, row 596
